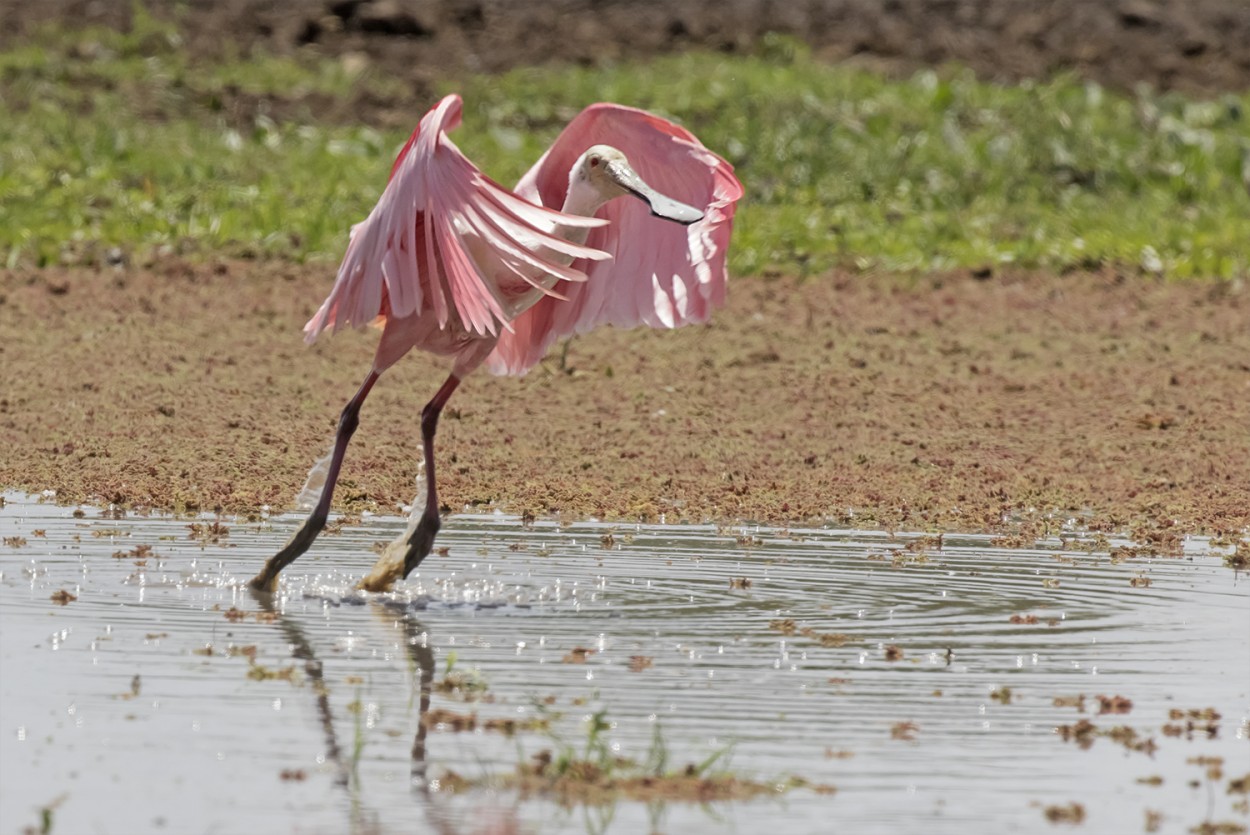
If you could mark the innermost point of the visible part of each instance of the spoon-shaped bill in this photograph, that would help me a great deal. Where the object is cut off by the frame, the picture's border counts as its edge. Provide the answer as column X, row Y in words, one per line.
column 661, row 204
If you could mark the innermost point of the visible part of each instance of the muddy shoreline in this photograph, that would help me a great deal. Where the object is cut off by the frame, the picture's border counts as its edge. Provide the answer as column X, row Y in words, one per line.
column 942, row 403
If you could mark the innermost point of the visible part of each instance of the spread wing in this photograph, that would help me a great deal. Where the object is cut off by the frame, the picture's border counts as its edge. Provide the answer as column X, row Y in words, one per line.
column 440, row 237
column 662, row 274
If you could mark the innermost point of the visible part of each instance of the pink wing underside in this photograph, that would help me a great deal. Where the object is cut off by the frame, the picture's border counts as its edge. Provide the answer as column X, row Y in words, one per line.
column 440, row 238
column 661, row 274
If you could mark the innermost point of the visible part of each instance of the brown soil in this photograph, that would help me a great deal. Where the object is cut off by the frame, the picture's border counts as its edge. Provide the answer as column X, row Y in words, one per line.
column 1198, row 46
column 951, row 404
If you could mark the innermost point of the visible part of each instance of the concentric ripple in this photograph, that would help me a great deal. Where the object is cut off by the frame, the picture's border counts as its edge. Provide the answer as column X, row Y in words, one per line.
column 925, row 678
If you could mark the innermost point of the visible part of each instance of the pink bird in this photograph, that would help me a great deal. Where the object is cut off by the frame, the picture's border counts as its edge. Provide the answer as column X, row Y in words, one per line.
column 453, row 263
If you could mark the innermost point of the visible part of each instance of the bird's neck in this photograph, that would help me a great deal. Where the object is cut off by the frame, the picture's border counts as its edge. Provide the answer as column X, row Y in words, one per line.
column 584, row 200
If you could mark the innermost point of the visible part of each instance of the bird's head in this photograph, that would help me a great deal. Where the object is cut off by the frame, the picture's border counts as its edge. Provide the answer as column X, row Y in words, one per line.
column 606, row 170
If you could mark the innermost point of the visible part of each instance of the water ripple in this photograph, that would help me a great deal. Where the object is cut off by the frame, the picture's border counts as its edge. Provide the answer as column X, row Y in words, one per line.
column 924, row 678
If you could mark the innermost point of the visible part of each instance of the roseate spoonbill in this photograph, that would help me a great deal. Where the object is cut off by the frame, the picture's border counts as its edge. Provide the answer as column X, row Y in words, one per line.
column 453, row 263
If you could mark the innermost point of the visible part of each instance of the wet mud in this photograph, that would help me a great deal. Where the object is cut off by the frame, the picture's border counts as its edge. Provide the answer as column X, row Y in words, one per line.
column 946, row 403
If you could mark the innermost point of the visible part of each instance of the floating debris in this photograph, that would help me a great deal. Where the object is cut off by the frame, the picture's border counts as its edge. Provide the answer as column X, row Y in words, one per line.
column 638, row 663
column 786, row 626
column 1113, row 704
column 1072, row 813
column 138, row 552
column 904, row 730
column 208, row 533
column 259, row 672
column 578, row 655
column 1077, row 702
column 1186, row 723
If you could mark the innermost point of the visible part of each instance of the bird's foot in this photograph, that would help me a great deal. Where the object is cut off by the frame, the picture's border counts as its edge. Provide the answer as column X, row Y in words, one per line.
column 267, row 579
column 401, row 556
column 385, row 571
column 421, row 543
column 263, row 583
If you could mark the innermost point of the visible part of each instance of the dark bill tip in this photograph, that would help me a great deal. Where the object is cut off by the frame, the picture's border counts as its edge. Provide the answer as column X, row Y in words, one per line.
column 661, row 204
column 670, row 209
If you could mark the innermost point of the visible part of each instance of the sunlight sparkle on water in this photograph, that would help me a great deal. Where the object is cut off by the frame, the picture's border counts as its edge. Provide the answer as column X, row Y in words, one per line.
column 931, row 693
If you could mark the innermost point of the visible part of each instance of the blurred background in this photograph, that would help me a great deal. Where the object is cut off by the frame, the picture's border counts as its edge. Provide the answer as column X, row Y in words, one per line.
column 1199, row 46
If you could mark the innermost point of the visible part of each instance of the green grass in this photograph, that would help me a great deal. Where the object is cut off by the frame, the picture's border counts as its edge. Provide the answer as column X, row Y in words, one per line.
column 117, row 141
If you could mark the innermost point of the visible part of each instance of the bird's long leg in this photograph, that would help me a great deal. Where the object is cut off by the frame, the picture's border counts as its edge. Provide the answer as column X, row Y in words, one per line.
column 267, row 579
column 422, row 540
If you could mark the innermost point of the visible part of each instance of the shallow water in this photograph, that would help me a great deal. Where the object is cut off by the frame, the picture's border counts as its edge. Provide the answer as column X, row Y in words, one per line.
column 113, row 715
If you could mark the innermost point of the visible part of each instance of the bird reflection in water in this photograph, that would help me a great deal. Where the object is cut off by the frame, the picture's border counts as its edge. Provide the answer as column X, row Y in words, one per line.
column 364, row 821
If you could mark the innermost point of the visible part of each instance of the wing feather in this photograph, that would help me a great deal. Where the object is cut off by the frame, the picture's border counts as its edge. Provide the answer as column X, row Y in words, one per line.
column 503, row 216
column 517, row 254
column 660, row 274
column 440, row 235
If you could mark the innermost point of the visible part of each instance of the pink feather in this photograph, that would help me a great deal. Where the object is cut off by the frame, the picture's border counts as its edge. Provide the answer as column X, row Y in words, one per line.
column 443, row 235
column 410, row 256
column 661, row 274
column 457, row 265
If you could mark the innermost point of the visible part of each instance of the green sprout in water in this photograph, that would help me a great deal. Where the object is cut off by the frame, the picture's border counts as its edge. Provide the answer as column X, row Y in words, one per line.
column 469, row 687
column 591, row 773
column 46, row 813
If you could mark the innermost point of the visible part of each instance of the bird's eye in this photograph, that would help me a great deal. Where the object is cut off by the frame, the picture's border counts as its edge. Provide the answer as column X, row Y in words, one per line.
column 594, row 162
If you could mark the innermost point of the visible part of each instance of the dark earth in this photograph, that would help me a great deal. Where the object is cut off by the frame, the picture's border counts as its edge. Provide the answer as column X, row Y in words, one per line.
column 1005, row 403
column 1197, row 46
